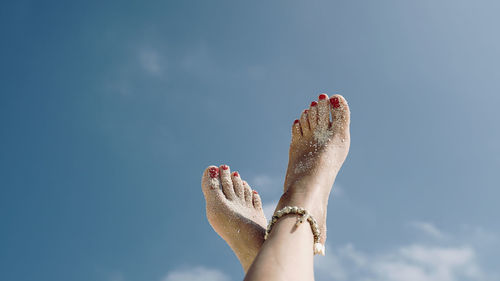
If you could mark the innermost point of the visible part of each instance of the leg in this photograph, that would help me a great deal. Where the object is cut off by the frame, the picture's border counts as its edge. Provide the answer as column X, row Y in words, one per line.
column 318, row 149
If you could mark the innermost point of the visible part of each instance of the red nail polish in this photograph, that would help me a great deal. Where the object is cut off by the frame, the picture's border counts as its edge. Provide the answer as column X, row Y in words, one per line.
column 296, row 121
column 235, row 174
column 224, row 167
column 306, row 111
column 255, row 192
column 335, row 102
column 214, row 172
column 314, row 103
column 322, row 96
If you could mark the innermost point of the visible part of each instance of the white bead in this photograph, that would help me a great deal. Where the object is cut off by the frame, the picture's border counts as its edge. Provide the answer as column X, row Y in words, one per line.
column 319, row 249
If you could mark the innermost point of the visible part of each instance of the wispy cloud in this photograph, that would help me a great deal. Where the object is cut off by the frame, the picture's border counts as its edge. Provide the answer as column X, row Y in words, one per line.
column 264, row 181
column 427, row 229
column 410, row 262
column 116, row 276
column 198, row 273
column 151, row 61
column 141, row 63
column 337, row 190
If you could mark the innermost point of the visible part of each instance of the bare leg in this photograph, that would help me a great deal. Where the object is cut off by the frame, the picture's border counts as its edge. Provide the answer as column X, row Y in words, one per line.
column 318, row 149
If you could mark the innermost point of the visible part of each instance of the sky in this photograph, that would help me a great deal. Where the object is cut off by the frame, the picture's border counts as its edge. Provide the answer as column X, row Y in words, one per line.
column 111, row 110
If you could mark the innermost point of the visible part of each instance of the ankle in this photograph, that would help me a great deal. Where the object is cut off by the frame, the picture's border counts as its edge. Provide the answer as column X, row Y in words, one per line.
column 312, row 199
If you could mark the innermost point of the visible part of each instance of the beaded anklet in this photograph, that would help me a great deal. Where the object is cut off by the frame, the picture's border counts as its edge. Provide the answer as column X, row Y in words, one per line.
column 303, row 215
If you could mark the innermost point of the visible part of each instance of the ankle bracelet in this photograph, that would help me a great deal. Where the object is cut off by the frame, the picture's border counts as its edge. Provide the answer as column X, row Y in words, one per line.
column 303, row 216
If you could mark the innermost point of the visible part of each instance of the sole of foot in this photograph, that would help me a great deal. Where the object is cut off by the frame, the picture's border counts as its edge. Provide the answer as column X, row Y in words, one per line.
column 234, row 211
column 320, row 143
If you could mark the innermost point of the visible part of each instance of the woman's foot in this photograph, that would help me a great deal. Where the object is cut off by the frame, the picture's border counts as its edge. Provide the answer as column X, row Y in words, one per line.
column 235, row 212
column 318, row 149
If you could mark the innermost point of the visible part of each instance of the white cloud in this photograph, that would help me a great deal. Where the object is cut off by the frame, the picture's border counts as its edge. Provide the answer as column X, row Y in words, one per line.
column 198, row 273
column 270, row 187
column 331, row 267
column 151, row 61
column 116, row 276
column 337, row 190
column 264, row 181
column 410, row 262
column 428, row 229
column 480, row 237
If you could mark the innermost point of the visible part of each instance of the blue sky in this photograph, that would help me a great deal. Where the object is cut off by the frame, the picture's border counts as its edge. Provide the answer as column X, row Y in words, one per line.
column 111, row 110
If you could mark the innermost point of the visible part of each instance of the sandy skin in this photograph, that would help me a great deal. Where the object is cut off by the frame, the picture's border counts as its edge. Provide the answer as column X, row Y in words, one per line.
column 235, row 212
column 319, row 146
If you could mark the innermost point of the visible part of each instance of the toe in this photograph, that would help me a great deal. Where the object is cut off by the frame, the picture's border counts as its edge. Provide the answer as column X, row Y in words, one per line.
column 323, row 112
column 312, row 115
column 304, row 123
column 340, row 115
column 257, row 203
column 227, row 182
column 248, row 193
column 238, row 185
column 210, row 183
column 296, row 131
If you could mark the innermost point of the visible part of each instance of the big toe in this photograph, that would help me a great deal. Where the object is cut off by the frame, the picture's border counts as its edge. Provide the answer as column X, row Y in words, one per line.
column 210, row 183
column 340, row 116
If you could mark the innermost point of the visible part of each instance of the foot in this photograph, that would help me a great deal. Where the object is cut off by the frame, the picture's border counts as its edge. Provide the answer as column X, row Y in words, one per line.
column 235, row 212
column 318, row 149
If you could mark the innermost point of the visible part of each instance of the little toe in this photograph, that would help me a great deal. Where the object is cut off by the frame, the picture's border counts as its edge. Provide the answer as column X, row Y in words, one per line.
column 257, row 203
column 210, row 183
column 238, row 185
column 312, row 115
column 323, row 112
column 340, row 115
column 227, row 182
column 248, row 193
column 304, row 123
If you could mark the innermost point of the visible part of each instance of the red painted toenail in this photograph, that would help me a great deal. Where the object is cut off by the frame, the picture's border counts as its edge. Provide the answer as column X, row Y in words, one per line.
column 335, row 102
column 322, row 96
column 214, row 172
column 224, row 167
column 306, row 111
column 235, row 174
column 296, row 121
column 314, row 103
column 255, row 192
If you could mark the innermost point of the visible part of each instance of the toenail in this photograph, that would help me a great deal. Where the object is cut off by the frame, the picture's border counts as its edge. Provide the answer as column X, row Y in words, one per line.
column 214, row 172
column 296, row 121
column 235, row 174
column 224, row 167
column 314, row 103
column 255, row 192
column 322, row 96
column 306, row 111
column 335, row 102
